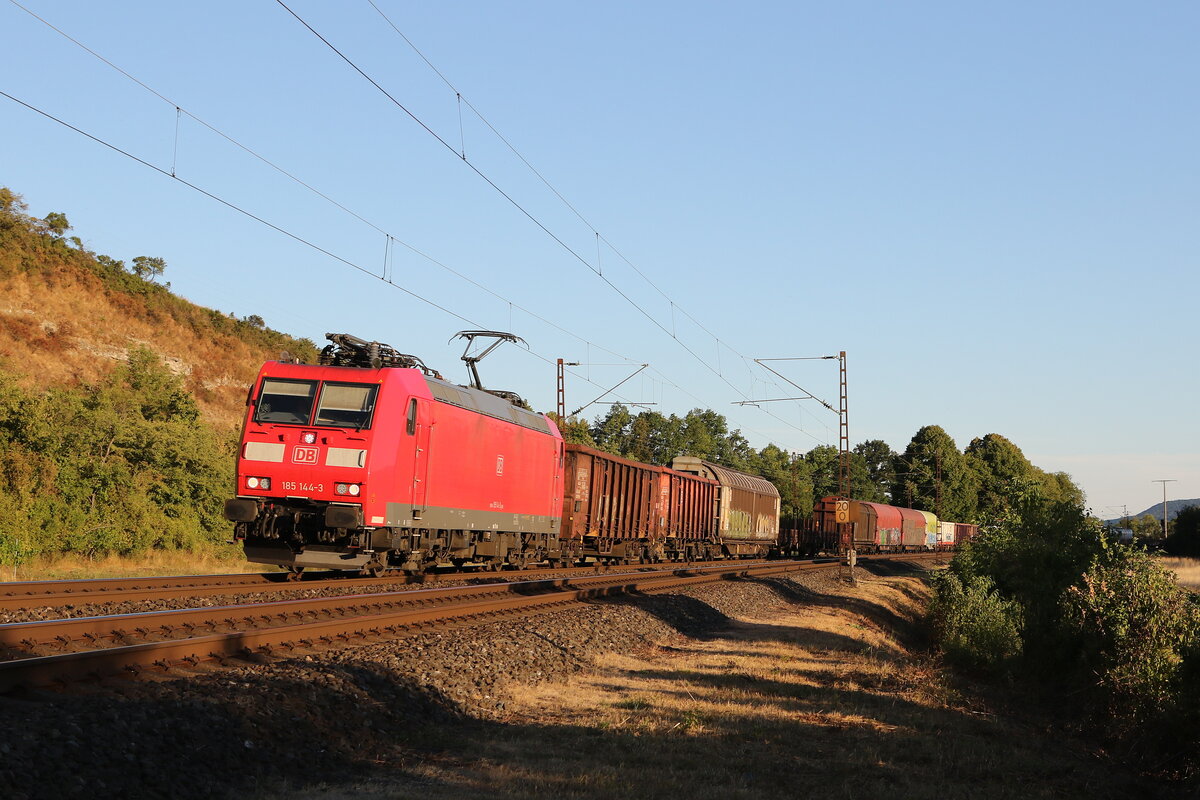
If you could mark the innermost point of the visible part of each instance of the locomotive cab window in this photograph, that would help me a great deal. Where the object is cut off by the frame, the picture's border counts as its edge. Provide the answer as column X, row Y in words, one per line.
column 410, row 425
column 286, row 402
column 346, row 405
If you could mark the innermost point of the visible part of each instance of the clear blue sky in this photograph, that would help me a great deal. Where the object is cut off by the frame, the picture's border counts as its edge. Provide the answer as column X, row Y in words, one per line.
column 993, row 210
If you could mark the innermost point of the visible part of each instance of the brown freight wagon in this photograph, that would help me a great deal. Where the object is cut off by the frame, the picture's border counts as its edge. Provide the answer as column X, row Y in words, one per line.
column 618, row 509
column 688, row 505
column 964, row 532
column 818, row 534
column 610, row 506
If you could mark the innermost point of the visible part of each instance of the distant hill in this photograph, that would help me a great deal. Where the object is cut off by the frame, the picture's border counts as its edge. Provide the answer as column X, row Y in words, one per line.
column 69, row 316
column 1156, row 510
column 1175, row 506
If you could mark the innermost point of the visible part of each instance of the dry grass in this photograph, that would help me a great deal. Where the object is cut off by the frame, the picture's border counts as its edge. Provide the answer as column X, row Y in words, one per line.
column 816, row 700
column 75, row 332
column 155, row 563
column 1187, row 570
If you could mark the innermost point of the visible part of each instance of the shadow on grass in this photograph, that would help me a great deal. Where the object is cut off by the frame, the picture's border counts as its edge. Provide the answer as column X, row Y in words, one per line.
column 333, row 730
column 908, row 631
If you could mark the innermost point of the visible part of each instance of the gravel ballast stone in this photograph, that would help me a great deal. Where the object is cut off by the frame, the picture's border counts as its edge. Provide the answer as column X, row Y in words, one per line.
column 336, row 714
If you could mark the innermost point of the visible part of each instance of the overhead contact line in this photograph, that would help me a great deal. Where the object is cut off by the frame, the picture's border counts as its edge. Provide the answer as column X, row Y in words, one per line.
column 462, row 157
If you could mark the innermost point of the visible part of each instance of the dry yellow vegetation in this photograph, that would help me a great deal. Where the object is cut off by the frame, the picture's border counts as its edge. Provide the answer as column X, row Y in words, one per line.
column 1187, row 570
column 828, row 699
column 74, row 331
column 155, row 562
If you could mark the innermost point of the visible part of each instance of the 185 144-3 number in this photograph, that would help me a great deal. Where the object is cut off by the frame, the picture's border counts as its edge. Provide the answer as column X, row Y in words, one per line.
column 296, row 486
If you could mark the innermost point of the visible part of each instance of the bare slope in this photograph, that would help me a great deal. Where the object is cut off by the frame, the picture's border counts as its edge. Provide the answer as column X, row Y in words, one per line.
column 69, row 315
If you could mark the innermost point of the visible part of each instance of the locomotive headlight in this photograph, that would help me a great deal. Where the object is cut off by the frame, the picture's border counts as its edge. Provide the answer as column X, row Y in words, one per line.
column 308, row 437
column 258, row 483
column 251, row 483
column 340, row 488
column 265, row 483
column 355, row 489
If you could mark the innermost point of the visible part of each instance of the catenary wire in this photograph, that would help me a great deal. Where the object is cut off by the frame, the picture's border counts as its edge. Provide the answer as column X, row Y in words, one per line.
column 523, row 210
column 364, row 220
column 263, row 221
column 463, row 100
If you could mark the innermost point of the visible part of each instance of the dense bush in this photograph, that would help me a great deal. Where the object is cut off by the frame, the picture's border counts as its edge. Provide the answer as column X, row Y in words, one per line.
column 1134, row 626
column 976, row 627
column 122, row 467
column 1047, row 595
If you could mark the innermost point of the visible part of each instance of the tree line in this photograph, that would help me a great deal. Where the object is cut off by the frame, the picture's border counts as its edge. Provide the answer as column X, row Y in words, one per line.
column 975, row 484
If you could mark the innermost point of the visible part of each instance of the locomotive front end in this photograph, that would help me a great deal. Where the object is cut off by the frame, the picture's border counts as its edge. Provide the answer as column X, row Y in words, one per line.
column 303, row 469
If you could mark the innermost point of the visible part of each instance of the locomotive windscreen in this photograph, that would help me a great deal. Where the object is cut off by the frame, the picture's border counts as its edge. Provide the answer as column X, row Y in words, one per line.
column 286, row 402
column 346, row 405
column 290, row 402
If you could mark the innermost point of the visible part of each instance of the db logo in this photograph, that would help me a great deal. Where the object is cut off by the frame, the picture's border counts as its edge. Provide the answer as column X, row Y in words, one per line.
column 305, row 455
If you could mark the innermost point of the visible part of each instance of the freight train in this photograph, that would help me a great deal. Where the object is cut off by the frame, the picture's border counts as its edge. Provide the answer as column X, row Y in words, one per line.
column 370, row 460
column 838, row 524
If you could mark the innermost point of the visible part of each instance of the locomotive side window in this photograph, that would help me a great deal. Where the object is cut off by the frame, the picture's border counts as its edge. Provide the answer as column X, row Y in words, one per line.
column 346, row 405
column 410, row 425
column 286, row 402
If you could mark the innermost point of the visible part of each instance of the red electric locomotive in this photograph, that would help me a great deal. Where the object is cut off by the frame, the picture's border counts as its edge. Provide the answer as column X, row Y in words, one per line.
column 371, row 460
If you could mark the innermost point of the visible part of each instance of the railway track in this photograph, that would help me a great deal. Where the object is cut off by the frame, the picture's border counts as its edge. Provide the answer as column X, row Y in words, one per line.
column 29, row 594
column 58, row 652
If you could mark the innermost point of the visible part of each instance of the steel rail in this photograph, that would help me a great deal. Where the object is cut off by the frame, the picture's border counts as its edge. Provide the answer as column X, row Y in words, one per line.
column 37, row 594
column 60, row 668
column 517, row 598
column 65, row 633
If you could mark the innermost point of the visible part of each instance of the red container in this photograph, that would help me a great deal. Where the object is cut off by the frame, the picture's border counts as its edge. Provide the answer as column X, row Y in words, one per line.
column 876, row 525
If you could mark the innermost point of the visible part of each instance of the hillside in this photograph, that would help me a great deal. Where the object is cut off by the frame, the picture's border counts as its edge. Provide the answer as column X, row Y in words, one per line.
column 68, row 317
column 1175, row 507
column 118, row 400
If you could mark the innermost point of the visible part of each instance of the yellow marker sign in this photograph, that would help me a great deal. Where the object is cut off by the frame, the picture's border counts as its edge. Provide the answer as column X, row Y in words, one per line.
column 841, row 511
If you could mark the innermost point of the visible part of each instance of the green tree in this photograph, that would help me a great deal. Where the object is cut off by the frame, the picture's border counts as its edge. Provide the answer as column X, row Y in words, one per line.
column 934, row 476
column 1059, row 487
column 1146, row 527
column 823, row 466
column 1185, row 538
column 611, row 433
column 57, row 224
column 1000, row 467
column 148, row 268
column 574, row 430
column 792, row 477
column 700, row 434
column 872, row 470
